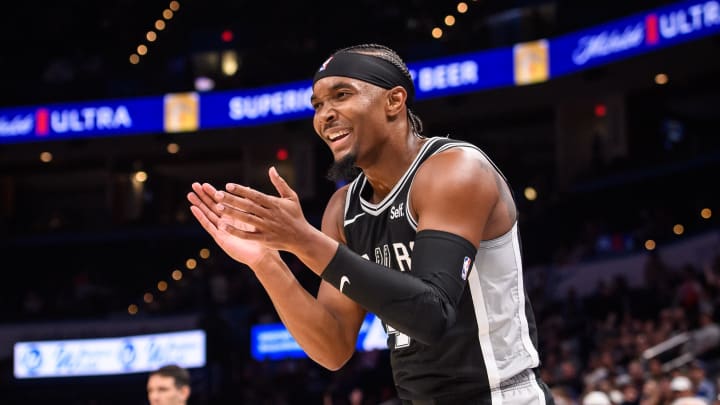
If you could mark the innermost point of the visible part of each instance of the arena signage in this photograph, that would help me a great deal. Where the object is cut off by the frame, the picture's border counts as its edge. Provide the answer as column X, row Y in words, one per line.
column 16, row 125
column 254, row 107
column 86, row 119
column 521, row 64
column 462, row 73
column 108, row 356
column 274, row 341
column 81, row 120
column 640, row 33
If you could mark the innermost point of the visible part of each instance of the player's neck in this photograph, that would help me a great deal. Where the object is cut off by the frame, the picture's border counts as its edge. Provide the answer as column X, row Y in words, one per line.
column 393, row 161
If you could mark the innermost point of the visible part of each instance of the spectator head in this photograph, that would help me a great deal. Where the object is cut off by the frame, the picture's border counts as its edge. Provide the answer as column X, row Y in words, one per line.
column 681, row 386
column 696, row 372
column 168, row 385
column 561, row 395
column 596, row 398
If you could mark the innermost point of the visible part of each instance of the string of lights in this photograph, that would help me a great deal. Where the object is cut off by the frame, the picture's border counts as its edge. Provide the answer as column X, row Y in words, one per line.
column 152, row 35
column 449, row 20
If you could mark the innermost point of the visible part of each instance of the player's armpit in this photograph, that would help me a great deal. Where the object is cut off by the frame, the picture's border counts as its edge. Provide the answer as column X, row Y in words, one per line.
column 422, row 305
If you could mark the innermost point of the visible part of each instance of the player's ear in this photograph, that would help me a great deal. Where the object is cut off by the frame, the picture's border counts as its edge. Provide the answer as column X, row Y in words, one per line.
column 396, row 100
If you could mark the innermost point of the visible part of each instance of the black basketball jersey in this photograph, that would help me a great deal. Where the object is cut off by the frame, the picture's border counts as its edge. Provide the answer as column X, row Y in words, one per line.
column 468, row 359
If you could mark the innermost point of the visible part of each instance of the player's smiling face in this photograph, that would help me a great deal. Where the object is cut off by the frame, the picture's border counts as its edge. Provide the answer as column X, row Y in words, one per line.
column 349, row 115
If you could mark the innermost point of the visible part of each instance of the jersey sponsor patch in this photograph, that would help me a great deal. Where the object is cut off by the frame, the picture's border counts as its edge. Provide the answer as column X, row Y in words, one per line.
column 465, row 268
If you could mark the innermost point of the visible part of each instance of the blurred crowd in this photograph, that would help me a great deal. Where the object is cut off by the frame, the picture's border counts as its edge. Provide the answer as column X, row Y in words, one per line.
column 650, row 345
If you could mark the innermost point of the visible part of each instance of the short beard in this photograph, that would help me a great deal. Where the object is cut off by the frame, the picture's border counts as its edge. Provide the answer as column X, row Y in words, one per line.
column 343, row 170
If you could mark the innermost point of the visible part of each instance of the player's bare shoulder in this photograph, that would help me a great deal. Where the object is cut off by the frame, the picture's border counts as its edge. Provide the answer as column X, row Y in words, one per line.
column 463, row 165
column 461, row 180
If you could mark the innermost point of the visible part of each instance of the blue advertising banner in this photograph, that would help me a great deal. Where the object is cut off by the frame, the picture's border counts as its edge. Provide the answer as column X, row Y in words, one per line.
column 255, row 107
column 634, row 35
column 521, row 64
column 462, row 73
column 108, row 356
column 436, row 78
column 274, row 341
column 81, row 120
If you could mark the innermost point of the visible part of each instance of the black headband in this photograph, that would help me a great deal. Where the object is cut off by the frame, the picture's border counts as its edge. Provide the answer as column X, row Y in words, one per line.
column 367, row 68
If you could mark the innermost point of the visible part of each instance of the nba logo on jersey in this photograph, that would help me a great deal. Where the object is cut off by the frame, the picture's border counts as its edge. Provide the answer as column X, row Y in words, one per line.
column 466, row 268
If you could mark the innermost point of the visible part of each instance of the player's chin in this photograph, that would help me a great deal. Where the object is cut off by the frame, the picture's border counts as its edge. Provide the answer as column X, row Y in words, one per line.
column 339, row 156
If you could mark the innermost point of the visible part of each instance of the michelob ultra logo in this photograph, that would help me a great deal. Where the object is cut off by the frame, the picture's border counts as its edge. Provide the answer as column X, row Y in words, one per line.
column 16, row 124
column 86, row 119
column 44, row 121
column 649, row 31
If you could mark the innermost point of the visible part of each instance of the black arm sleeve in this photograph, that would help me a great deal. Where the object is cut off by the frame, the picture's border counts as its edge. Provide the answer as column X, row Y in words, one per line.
column 422, row 303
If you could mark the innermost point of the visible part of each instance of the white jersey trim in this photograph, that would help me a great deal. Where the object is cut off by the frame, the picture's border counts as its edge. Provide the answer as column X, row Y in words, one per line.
column 481, row 315
column 377, row 209
column 353, row 219
column 527, row 342
column 499, row 304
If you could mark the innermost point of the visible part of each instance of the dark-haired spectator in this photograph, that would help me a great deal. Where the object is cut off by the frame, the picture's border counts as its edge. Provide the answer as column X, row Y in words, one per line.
column 168, row 385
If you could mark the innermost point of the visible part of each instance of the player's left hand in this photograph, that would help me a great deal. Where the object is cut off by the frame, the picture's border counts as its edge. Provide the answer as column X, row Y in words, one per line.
column 277, row 222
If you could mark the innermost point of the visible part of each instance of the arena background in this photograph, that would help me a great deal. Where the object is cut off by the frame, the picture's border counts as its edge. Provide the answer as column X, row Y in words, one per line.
column 615, row 168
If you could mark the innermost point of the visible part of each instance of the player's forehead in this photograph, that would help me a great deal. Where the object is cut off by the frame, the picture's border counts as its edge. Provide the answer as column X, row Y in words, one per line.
column 330, row 84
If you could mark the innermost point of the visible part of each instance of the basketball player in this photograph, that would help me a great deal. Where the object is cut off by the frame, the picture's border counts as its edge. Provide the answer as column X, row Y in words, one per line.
column 435, row 210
